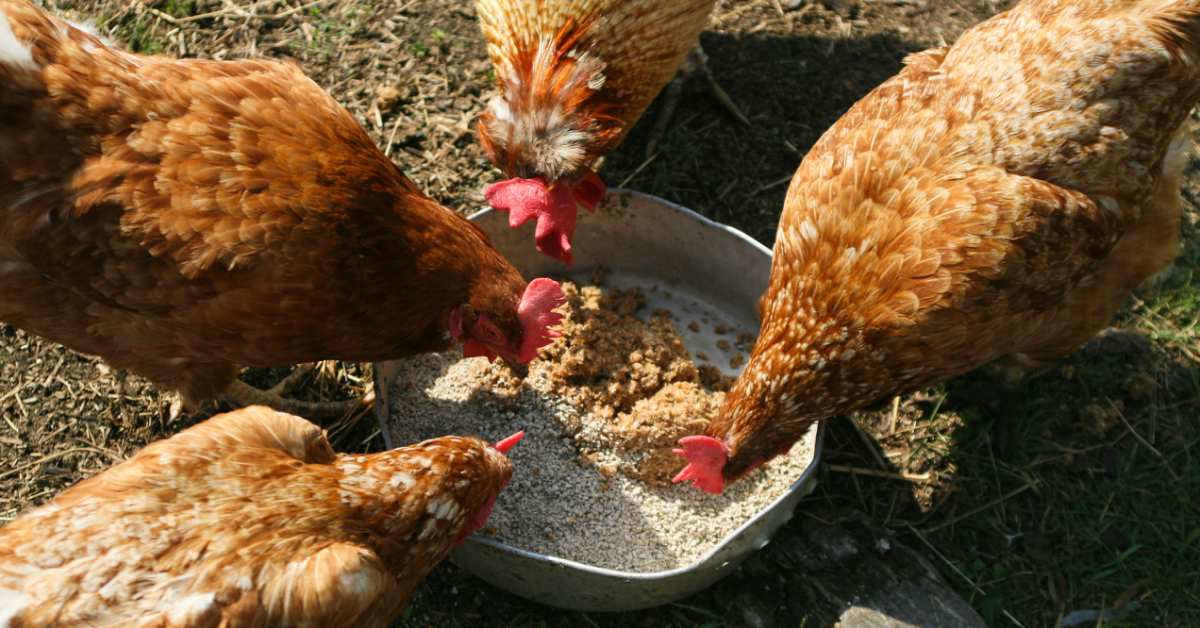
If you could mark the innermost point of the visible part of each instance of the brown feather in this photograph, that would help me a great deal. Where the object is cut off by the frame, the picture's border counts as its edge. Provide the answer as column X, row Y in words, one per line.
column 182, row 217
column 575, row 75
column 246, row 519
column 998, row 198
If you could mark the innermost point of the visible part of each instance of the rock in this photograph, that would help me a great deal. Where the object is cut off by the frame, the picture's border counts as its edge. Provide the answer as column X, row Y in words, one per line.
column 862, row 576
column 1122, row 342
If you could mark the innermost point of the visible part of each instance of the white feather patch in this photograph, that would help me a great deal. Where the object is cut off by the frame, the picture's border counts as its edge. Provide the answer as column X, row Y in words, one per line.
column 86, row 27
column 13, row 52
column 11, row 602
column 191, row 608
column 360, row 583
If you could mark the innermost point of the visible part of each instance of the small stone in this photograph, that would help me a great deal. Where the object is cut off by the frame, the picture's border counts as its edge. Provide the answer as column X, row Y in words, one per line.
column 1141, row 386
column 386, row 97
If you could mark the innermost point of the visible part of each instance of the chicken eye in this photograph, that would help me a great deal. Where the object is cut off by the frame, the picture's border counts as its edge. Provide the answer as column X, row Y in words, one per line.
column 488, row 332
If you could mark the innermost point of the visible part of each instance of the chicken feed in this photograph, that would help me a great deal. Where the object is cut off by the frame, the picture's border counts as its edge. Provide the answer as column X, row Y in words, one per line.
column 602, row 408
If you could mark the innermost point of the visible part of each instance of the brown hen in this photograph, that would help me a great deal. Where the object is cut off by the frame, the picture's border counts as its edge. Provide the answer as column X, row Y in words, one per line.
column 999, row 198
column 182, row 217
column 247, row 519
column 573, row 78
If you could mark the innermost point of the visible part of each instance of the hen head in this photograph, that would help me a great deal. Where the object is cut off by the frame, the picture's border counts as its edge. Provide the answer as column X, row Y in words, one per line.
column 750, row 430
column 479, row 518
column 442, row 489
column 545, row 129
column 511, row 334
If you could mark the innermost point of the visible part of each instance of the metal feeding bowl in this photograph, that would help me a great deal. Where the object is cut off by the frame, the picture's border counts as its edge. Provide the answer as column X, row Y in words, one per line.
column 704, row 268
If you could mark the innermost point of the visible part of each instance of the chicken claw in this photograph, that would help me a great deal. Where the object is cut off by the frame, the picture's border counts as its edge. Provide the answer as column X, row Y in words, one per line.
column 696, row 63
column 241, row 394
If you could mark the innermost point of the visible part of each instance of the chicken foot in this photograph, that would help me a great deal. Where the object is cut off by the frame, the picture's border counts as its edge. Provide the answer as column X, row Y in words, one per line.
column 289, row 384
column 242, row 394
column 696, row 63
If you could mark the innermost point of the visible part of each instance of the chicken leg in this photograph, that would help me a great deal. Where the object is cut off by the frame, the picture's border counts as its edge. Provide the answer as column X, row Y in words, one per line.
column 289, row 384
column 695, row 63
column 242, row 394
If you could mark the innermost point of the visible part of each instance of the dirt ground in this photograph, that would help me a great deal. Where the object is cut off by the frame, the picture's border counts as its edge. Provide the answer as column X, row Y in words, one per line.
column 1076, row 490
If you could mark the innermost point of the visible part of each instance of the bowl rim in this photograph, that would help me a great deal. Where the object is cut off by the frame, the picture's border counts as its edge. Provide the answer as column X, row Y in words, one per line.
column 677, row 208
column 567, row 563
column 708, row 556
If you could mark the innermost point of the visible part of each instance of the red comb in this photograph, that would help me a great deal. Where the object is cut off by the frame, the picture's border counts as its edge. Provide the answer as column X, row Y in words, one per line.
column 554, row 207
column 538, row 318
column 504, row 446
column 706, row 459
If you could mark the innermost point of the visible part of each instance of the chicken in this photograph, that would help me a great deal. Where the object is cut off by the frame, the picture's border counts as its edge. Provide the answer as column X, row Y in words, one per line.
column 181, row 218
column 248, row 519
column 573, row 78
column 997, row 199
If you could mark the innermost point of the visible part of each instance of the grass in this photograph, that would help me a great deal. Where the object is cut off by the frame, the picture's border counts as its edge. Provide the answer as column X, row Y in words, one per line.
column 1105, row 443
column 142, row 38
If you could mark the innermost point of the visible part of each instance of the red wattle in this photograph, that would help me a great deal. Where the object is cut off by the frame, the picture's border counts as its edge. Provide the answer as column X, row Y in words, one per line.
column 474, row 349
column 589, row 190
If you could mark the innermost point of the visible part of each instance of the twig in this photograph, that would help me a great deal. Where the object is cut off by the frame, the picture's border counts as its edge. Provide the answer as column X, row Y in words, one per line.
column 12, row 392
column 1154, row 450
column 974, row 511
column 639, row 170
column 958, row 571
column 392, row 137
column 56, row 456
column 54, row 371
column 160, row 15
column 895, row 415
column 10, row 424
column 868, row 443
column 295, row 10
column 21, row 407
column 230, row 9
column 804, row 10
column 771, row 186
column 890, row 475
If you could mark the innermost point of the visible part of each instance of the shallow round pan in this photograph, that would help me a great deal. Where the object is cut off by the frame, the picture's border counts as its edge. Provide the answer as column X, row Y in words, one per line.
column 705, row 265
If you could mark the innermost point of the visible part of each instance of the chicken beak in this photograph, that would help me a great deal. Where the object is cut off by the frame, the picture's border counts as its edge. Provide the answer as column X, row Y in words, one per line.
column 505, row 445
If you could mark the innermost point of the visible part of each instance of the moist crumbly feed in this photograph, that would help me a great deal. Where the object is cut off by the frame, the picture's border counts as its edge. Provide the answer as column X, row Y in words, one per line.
column 602, row 408
column 638, row 387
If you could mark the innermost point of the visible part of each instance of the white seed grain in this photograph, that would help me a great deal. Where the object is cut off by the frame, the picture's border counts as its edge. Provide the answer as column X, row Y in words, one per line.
column 557, row 506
